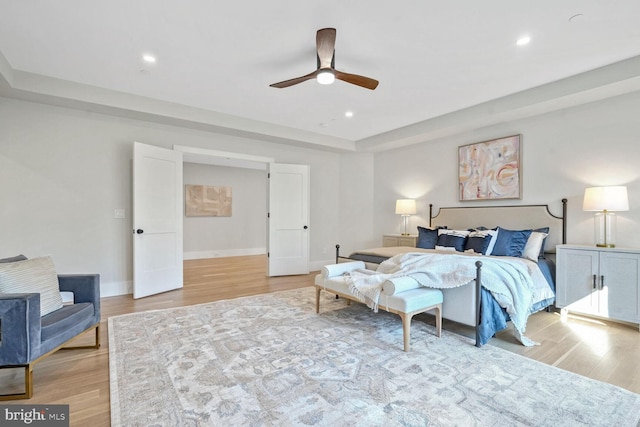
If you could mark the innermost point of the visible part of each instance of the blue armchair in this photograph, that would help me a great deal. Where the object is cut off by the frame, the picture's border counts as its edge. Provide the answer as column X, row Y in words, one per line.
column 26, row 338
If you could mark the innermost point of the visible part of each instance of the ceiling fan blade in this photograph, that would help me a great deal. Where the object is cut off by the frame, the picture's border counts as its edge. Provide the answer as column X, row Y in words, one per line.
column 355, row 79
column 295, row 81
column 325, row 44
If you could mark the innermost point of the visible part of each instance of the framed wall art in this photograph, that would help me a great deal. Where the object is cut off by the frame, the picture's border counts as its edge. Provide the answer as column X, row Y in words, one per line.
column 490, row 170
column 207, row 200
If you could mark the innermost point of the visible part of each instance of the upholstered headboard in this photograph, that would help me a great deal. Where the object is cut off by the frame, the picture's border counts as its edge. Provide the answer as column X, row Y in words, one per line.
column 514, row 217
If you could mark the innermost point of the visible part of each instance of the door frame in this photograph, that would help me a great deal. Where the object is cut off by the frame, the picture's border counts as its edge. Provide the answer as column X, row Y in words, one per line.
column 222, row 158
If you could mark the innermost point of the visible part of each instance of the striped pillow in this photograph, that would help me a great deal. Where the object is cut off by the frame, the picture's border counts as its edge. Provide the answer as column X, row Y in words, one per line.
column 36, row 275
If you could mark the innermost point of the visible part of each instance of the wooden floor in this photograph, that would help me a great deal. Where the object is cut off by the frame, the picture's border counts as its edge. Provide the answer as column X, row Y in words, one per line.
column 605, row 351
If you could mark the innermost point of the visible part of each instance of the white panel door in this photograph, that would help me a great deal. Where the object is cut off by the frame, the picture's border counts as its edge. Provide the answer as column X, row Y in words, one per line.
column 157, row 220
column 288, row 240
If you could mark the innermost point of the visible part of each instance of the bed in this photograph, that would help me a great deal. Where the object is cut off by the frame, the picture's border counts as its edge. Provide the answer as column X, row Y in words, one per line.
column 474, row 305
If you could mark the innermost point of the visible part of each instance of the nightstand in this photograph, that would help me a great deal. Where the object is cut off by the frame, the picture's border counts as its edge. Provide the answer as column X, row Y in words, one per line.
column 399, row 240
column 603, row 282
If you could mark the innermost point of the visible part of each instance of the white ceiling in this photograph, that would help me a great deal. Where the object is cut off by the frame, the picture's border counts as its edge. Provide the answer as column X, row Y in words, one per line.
column 217, row 59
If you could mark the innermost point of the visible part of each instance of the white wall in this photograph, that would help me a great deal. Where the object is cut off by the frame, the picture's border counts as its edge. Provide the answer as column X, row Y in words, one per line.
column 563, row 153
column 64, row 171
column 357, row 229
column 245, row 231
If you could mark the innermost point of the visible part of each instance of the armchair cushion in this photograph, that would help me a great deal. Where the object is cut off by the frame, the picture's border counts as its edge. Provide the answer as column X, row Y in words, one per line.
column 36, row 275
column 68, row 320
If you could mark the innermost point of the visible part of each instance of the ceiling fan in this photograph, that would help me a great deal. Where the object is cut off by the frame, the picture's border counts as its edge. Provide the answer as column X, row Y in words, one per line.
column 326, row 72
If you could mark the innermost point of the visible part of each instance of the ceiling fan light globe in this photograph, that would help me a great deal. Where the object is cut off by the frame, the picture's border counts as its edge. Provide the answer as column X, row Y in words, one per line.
column 326, row 77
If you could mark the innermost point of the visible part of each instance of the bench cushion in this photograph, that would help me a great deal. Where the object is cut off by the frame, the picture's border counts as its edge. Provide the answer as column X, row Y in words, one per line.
column 406, row 302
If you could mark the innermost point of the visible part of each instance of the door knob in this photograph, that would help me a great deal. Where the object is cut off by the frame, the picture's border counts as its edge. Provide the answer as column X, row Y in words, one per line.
column 139, row 231
column 305, row 227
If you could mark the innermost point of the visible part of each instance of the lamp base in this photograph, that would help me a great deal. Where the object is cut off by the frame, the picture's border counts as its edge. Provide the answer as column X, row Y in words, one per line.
column 605, row 229
column 405, row 222
column 606, row 245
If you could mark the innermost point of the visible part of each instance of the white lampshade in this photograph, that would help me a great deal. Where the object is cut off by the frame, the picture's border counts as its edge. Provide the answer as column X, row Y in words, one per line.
column 405, row 207
column 613, row 199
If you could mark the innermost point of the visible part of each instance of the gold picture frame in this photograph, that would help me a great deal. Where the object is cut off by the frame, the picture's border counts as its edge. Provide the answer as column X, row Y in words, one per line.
column 490, row 170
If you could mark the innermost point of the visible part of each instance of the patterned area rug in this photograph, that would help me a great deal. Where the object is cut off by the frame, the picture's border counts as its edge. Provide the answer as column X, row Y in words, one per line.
column 270, row 360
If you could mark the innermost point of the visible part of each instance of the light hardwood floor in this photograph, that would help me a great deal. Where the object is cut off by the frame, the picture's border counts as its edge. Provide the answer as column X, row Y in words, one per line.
column 601, row 350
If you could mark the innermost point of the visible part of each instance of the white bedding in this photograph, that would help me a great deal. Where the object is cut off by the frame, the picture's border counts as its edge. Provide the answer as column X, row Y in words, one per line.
column 515, row 283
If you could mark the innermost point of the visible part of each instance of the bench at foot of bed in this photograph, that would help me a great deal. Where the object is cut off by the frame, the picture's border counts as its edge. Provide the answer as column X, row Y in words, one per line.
column 406, row 304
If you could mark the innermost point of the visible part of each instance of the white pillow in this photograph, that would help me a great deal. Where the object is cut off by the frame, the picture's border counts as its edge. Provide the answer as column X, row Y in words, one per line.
column 460, row 233
column 534, row 244
column 445, row 248
column 36, row 275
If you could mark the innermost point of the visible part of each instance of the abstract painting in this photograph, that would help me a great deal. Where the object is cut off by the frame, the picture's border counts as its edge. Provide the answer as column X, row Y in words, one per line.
column 490, row 170
column 206, row 200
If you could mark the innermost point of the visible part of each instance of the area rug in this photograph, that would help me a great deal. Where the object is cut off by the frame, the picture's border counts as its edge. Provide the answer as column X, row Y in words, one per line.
column 270, row 360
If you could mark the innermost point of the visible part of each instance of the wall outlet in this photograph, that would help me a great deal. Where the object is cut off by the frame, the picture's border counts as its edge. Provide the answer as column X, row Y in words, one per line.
column 118, row 213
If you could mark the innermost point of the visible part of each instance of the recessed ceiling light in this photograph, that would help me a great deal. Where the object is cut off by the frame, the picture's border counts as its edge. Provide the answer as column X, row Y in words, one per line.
column 148, row 58
column 524, row 40
column 349, row 114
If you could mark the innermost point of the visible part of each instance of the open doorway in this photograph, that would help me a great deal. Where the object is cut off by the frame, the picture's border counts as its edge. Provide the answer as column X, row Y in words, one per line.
column 157, row 192
column 244, row 231
column 275, row 222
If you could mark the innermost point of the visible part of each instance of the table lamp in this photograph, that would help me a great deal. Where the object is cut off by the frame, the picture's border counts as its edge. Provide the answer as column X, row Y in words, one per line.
column 605, row 201
column 406, row 208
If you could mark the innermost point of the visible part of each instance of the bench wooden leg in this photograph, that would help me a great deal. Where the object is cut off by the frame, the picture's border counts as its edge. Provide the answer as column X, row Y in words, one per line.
column 406, row 324
column 318, row 299
column 406, row 329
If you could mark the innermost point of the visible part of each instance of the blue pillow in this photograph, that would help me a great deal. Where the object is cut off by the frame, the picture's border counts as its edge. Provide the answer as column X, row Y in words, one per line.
column 510, row 242
column 427, row 238
column 452, row 240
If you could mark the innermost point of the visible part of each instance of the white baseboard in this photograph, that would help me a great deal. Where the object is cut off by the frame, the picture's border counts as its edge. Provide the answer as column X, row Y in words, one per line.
column 221, row 253
column 116, row 288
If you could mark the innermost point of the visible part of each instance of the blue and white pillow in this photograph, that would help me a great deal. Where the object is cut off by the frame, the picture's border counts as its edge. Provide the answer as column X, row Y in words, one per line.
column 480, row 241
column 452, row 239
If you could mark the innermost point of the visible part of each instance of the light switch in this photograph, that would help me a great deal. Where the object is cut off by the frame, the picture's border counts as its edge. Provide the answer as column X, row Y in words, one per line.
column 118, row 213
